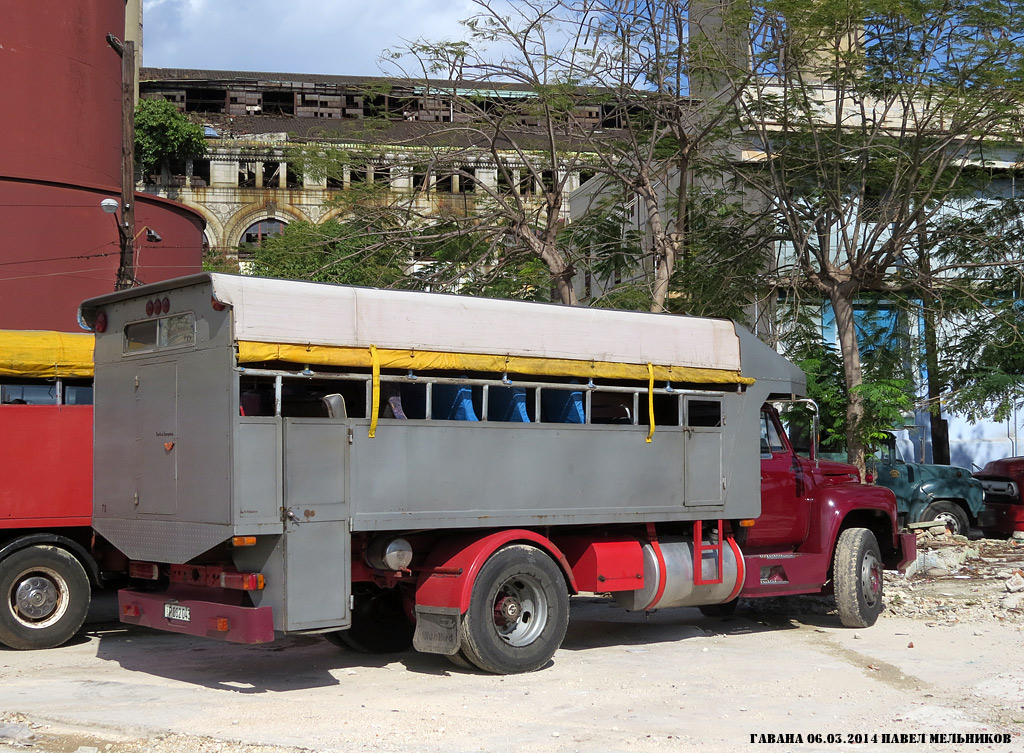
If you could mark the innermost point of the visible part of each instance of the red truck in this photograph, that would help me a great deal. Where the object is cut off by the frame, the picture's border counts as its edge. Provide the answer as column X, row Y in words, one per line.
column 49, row 556
column 1002, row 481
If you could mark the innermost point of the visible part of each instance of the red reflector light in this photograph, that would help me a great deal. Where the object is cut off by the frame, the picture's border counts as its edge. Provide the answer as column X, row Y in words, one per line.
column 870, row 478
column 166, row 305
column 218, row 624
column 242, row 581
column 217, row 305
column 149, row 308
column 132, row 610
column 144, row 570
column 100, row 325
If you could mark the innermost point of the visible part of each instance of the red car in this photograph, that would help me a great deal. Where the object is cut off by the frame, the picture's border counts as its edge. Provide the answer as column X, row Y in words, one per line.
column 1002, row 481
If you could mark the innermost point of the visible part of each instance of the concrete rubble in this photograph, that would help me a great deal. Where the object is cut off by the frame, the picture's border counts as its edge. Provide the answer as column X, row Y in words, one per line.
column 955, row 579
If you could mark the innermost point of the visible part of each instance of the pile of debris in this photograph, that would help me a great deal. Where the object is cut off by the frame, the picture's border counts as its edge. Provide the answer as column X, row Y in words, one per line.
column 955, row 579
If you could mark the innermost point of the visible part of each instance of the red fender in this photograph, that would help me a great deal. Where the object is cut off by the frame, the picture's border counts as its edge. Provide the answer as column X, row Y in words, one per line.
column 452, row 567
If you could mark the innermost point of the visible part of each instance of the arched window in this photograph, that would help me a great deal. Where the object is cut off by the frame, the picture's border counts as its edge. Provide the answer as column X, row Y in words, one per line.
column 258, row 231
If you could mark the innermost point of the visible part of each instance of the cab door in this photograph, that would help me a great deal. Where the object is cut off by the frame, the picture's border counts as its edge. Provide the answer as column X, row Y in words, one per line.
column 785, row 506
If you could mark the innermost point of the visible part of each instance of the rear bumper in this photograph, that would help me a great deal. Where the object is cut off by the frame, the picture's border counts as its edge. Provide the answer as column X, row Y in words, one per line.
column 206, row 619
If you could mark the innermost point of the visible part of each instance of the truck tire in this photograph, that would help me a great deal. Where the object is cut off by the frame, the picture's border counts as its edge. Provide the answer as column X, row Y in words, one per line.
column 46, row 596
column 379, row 623
column 725, row 609
column 857, row 572
column 518, row 612
column 949, row 513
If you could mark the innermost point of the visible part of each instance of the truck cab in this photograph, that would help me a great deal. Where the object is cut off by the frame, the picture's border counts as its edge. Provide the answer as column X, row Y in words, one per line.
column 1004, row 509
column 925, row 491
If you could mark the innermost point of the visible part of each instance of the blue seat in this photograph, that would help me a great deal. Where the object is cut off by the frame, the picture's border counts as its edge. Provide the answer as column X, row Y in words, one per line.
column 453, row 402
column 563, row 406
column 507, row 404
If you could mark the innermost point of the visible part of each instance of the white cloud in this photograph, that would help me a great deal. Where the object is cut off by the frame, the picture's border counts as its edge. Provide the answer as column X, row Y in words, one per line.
column 343, row 37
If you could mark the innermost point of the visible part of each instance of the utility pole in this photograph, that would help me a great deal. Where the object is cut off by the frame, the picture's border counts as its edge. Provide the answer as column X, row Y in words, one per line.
column 126, row 222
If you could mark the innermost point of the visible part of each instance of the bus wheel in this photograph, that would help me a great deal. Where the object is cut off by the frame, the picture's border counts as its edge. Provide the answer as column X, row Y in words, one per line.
column 857, row 569
column 46, row 595
column 949, row 513
column 518, row 612
column 379, row 623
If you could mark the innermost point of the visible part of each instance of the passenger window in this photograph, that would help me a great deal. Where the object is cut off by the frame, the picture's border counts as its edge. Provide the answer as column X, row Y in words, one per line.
column 703, row 413
column 611, row 408
column 562, row 406
column 666, row 410
column 28, row 394
column 77, row 394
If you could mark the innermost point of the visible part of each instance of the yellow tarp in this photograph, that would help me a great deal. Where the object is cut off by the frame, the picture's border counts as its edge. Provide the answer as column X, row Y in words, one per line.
column 46, row 355
column 323, row 355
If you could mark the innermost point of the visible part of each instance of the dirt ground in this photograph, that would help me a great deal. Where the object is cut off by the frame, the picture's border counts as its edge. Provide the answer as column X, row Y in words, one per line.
column 945, row 658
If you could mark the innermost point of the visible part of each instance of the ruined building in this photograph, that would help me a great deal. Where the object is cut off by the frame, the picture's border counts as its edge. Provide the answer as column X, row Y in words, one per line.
column 402, row 136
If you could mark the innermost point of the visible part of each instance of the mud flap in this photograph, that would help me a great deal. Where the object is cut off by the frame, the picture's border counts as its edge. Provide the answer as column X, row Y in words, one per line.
column 437, row 630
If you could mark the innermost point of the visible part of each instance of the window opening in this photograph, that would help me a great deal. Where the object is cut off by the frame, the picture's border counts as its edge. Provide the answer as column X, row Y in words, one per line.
column 666, row 409
column 771, row 441
column 28, row 393
column 703, row 413
column 279, row 103
column 175, row 331
column 562, row 406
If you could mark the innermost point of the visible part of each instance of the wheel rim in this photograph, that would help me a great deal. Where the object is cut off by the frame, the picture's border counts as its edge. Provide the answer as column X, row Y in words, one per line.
column 37, row 598
column 950, row 520
column 520, row 610
column 871, row 578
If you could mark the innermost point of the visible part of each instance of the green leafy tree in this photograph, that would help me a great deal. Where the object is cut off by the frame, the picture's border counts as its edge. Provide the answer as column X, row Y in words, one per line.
column 332, row 251
column 164, row 135
column 874, row 121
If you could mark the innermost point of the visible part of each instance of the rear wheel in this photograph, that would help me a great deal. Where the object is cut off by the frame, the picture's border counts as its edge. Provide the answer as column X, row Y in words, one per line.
column 857, row 571
column 518, row 612
column 949, row 513
column 46, row 595
column 379, row 623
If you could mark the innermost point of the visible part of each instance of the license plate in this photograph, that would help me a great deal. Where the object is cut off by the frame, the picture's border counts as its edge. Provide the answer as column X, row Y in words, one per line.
column 177, row 612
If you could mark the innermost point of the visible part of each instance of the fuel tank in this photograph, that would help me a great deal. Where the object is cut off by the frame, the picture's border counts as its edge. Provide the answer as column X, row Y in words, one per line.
column 669, row 582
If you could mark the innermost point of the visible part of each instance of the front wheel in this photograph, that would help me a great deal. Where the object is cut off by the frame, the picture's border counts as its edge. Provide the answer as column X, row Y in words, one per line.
column 46, row 596
column 725, row 609
column 518, row 612
column 949, row 513
column 857, row 571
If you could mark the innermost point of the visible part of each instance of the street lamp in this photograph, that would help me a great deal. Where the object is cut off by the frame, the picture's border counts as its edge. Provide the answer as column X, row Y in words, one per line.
column 126, row 267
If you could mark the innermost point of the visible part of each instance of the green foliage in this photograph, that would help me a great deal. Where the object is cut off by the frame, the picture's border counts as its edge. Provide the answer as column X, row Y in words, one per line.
column 164, row 135
column 330, row 252
column 723, row 260
column 885, row 391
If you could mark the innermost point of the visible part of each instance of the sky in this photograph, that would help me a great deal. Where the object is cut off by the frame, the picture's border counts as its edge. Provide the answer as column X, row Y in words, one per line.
column 336, row 37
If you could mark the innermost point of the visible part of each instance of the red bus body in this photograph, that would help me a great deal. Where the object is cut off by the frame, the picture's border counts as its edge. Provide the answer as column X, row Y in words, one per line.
column 47, row 450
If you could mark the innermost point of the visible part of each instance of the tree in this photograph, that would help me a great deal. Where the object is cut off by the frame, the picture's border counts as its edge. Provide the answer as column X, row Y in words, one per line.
column 164, row 135
column 332, row 251
column 874, row 121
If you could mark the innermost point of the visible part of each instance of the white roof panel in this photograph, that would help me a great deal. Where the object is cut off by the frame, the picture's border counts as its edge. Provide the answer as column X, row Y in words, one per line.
column 304, row 313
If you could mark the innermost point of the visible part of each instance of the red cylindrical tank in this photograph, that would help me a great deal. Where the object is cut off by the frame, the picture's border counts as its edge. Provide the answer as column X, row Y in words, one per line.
column 62, row 91
column 61, row 156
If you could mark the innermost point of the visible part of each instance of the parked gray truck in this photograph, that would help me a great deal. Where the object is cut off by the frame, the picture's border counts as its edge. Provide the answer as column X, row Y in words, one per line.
column 390, row 468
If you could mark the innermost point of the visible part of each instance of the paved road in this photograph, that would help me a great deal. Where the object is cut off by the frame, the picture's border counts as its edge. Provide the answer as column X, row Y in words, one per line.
column 673, row 680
